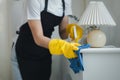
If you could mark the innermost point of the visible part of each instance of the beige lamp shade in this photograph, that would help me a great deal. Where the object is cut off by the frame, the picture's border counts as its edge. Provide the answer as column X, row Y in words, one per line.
column 96, row 38
column 96, row 14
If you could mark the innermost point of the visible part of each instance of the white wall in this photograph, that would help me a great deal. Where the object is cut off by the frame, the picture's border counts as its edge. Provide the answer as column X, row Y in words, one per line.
column 4, row 46
column 115, row 10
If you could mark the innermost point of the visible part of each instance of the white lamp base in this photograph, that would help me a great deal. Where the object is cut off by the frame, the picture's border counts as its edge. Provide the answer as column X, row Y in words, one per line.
column 96, row 38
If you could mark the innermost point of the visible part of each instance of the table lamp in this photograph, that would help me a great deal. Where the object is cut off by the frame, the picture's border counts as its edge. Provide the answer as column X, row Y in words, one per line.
column 95, row 16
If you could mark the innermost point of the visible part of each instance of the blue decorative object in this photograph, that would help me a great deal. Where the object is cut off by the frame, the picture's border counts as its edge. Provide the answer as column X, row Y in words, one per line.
column 76, row 64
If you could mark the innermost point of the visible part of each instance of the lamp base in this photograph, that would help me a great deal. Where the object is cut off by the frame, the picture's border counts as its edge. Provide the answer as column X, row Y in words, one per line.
column 96, row 38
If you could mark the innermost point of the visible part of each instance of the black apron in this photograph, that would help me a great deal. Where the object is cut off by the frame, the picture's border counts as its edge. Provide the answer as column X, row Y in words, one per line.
column 35, row 61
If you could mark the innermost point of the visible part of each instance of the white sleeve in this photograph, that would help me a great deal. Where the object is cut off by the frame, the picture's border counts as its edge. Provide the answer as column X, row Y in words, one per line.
column 68, row 7
column 33, row 9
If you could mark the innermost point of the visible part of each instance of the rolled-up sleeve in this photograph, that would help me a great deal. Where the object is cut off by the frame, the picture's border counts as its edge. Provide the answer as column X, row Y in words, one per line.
column 33, row 9
column 68, row 7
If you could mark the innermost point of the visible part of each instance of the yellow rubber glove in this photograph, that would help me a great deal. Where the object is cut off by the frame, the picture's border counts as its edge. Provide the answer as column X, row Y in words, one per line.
column 70, row 32
column 59, row 47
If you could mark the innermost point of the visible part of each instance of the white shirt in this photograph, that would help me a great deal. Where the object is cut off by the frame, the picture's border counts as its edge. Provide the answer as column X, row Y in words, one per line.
column 35, row 7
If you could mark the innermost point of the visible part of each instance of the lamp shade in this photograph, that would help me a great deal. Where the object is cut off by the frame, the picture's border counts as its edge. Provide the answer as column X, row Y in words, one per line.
column 97, row 14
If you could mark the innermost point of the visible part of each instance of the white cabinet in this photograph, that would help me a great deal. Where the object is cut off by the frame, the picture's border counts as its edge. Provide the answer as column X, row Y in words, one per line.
column 101, row 64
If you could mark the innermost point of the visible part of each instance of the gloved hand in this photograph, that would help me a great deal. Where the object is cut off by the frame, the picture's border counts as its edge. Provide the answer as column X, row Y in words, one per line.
column 59, row 47
column 76, row 64
column 70, row 32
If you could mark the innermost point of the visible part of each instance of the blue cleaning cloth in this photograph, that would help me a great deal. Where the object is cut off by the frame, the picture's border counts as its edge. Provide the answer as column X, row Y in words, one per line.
column 76, row 64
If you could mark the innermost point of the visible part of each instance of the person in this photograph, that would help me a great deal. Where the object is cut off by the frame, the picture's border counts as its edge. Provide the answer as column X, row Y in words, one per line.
column 34, row 45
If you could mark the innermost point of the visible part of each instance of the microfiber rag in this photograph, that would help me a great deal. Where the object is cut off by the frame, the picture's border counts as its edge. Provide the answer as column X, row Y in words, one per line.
column 76, row 64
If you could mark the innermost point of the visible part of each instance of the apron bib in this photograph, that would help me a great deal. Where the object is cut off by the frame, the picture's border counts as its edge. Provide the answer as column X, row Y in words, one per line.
column 26, row 47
